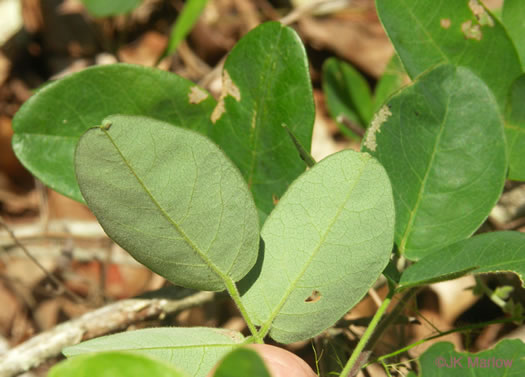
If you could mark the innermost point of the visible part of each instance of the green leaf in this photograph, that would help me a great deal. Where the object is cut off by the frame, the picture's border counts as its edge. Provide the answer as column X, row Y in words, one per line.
column 347, row 93
column 113, row 364
column 514, row 21
column 488, row 252
column 185, row 21
column 504, row 360
column 49, row 124
column 515, row 129
column 105, row 8
column 325, row 244
column 441, row 141
column 194, row 350
column 460, row 32
column 265, row 83
column 390, row 82
column 171, row 198
column 242, row 362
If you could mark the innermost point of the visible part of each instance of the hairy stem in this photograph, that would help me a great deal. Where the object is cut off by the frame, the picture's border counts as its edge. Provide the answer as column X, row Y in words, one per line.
column 235, row 295
column 356, row 354
column 374, row 332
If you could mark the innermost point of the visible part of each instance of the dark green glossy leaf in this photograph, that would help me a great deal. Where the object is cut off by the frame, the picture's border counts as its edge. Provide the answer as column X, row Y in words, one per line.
column 488, row 252
column 459, row 32
column 171, row 198
column 506, row 359
column 390, row 82
column 49, row 124
column 515, row 129
column 347, row 93
column 105, row 8
column 265, row 83
column 325, row 244
column 513, row 16
column 195, row 350
column 113, row 364
column 441, row 141
column 242, row 362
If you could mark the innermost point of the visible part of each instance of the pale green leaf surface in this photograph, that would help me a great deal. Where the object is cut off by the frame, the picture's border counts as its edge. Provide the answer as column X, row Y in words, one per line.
column 266, row 83
column 113, row 364
column 47, row 127
column 347, row 93
column 513, row 16
column 428, row 33
column 506, row 359
column 194, row 350
column 171, row 198
column 325, row 244
column 105, row 8
column 184, row 23
column 515, row 129
column 242, row 362
column 443, row 147
column 488, row 252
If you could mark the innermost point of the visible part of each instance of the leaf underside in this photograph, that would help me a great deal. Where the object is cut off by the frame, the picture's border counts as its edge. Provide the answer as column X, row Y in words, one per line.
column 171, row 198
column 326, row 242
column 194, row 350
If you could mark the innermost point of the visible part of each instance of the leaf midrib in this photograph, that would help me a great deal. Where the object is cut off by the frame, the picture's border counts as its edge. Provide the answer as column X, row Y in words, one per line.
column 166, row 215
column 254, row 137
column 266, row 326
column 413, row 213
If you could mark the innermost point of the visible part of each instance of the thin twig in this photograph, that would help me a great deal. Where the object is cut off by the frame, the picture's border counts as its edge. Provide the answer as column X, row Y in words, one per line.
column 358, row 130
column 59, row 286
column 99, row 322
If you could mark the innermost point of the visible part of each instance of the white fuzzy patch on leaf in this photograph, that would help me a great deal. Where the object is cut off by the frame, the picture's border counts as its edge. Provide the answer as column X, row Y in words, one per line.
column 379, row 118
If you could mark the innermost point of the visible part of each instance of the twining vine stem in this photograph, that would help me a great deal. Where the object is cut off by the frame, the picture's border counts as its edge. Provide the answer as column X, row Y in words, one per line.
column 374, row 332
column 444, row 333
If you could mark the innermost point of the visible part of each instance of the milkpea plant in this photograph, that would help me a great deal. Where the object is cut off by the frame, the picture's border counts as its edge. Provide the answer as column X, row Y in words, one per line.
column 222, row 195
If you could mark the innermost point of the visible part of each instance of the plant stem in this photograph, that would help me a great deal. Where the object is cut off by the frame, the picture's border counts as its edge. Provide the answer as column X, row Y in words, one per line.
column 366, row 336
column 374, row 332
column 235, row 295
column 459, row 329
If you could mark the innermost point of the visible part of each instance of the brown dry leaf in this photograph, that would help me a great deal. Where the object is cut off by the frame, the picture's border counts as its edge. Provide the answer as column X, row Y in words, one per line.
column 10, row 308
column 61, row 207
column 46, row 314
column 425, row 330
column 360, row 38
column 5, row 67
column 27, row 273
column 455, row 297
column 323, row 143
column 9, row 164
column 145, row 50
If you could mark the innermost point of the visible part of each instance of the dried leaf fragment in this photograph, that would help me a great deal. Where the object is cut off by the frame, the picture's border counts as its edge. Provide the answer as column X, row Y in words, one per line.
column 379, row 118
column 471, row 31
column 445, row 23
column 480, row 13
column 228, row 89
column 197, row 95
